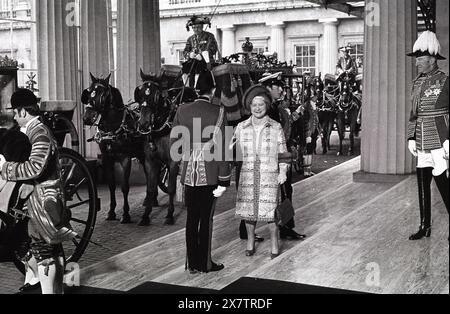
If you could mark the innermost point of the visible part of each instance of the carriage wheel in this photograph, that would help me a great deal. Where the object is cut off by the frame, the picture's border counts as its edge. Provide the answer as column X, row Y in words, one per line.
column 163, row 182
column 81, row 199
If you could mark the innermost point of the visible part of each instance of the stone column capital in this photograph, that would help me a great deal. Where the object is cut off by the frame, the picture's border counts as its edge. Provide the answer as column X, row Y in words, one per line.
column 329, row 21
column 280, row 25
column 227, row 28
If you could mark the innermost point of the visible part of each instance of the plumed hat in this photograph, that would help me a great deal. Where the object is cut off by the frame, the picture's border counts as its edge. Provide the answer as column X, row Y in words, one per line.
column 272, row 79
column 346, row 49
column 427, row 45
column 198, row 20
column 23, row 98
column 256, row 91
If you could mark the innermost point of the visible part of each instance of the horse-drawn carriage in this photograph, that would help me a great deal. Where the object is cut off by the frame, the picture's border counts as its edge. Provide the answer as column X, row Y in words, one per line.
column 80, row 191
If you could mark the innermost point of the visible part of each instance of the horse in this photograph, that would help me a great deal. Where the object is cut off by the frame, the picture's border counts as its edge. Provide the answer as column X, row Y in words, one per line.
column 326, row 92
column 348, row 110
column 117, row 138
column 157, row 110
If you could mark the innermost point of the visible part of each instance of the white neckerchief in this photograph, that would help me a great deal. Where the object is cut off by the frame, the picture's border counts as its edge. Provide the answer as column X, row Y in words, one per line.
column 25, row 128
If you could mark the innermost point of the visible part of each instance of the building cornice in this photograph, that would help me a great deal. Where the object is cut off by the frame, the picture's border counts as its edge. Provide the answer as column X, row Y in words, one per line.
column 16, row 25
column 306, row 36
column 351, row 33
column 254, row 38
column 237, row 8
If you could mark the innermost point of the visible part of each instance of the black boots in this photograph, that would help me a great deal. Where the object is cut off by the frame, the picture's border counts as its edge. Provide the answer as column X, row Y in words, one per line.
column 442, row 184
column 424, row 178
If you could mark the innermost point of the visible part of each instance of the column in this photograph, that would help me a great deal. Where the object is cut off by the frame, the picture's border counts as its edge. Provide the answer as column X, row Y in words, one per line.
column 228, row 40
column 330, row 45
column 57, row 51
column 388, row 76
column 277, row 43
column 95, row 53
column 57, row 56
column 442, row 31
column 138, row 43
column 33, row 30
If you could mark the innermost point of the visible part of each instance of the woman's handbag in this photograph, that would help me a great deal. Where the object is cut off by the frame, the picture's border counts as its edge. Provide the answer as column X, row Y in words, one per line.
column 285, row 211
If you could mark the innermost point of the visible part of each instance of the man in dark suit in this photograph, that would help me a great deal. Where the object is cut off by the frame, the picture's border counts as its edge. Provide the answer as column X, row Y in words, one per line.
column 205, row 172
column 281, row 113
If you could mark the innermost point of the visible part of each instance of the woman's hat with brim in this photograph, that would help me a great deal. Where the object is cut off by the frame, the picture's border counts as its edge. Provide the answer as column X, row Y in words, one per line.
column 427, row 45
column 198, row 20
column 256, row 91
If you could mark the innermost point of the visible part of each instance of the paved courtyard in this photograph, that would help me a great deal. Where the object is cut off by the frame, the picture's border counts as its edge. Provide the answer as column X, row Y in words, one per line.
column 116, row 238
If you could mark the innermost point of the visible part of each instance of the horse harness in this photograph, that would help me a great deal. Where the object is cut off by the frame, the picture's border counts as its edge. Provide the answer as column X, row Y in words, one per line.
column 113, row 136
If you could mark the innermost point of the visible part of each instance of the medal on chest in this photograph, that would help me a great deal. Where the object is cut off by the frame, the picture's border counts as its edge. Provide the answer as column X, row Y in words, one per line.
column 433, row 90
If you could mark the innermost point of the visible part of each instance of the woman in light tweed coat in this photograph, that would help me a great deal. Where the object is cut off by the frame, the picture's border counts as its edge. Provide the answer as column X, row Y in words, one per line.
column 260, row 141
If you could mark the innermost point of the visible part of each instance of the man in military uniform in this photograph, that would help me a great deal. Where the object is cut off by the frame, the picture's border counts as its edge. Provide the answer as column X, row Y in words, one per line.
column 346, row 65
column 428, row 131
column 41, row 174
column 205, row 177
column 201, row 49
column 280, row 112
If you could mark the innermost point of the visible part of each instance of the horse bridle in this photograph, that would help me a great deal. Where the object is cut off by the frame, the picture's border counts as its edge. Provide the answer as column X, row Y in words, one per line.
column 145, row 104
column 100, row 135
column 346, row 92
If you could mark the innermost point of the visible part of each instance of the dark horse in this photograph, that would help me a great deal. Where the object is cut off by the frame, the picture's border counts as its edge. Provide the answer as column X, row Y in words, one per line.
column 157, row 111
column 348, row 110
column 327, row 97
column 117, row 137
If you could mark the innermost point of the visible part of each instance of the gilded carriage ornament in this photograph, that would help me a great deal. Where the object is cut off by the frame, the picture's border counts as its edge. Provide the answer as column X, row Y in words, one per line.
column 6, row 62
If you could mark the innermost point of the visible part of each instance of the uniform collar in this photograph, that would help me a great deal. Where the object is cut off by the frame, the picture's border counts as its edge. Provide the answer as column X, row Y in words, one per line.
column 204, row 98
column 28, row 125
column 431, row 73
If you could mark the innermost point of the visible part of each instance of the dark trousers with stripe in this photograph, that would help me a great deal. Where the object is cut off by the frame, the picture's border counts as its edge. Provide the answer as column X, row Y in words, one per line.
column 200, row 203
column 289, row 191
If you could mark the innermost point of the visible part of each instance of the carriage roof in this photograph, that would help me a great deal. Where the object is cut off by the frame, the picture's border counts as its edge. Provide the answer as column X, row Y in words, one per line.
column 58, row 106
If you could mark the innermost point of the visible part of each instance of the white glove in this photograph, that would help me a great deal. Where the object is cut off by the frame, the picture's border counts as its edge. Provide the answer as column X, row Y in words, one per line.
column 199, row 57
column 309, row 140
column 412, row 146
column 446, row 148
column 192, row 55
column 2, row 162
column 282, row 178
column 219, row 192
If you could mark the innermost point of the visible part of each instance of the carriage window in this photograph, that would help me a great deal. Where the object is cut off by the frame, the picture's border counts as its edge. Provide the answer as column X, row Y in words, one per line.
column 305, row 56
